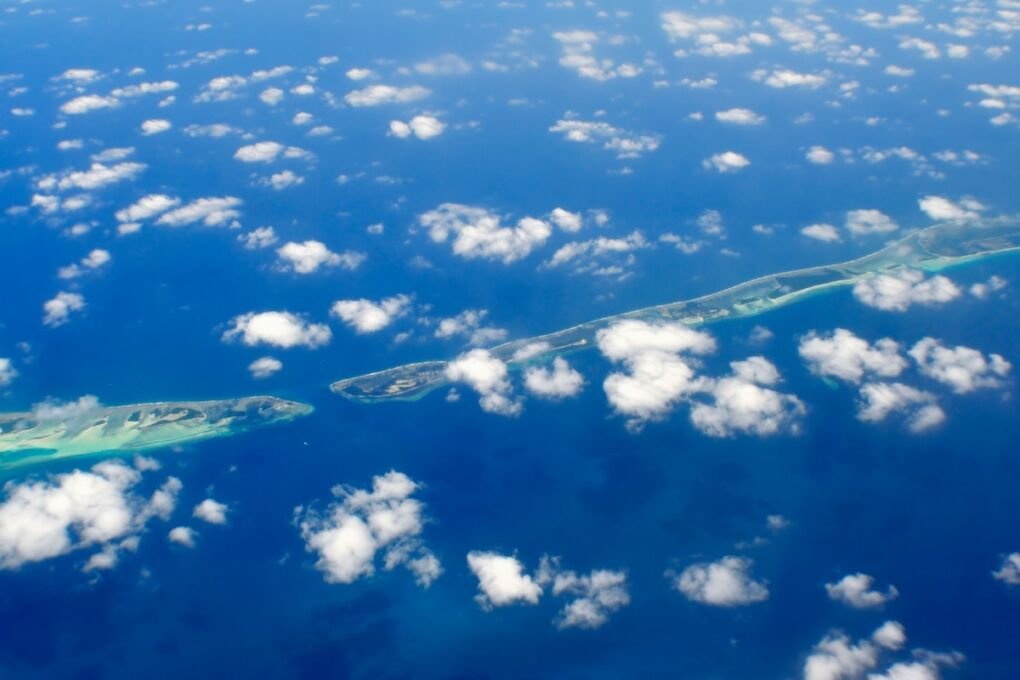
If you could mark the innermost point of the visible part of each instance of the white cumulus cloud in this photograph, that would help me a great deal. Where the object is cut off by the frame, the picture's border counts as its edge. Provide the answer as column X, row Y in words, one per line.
column 843, row 355
column 366, row 316
column 40, row 520
column 279, row 329
column 726, row 162
column 857, row 590
column 897, row 292
column 352, row 530
column 308, row 257
column 211, row 511
column 375, row 95
column 502, row 580
column 479, row 233
column 725, row 583
column 962, row 368
column 560, row 382
column 489, row 377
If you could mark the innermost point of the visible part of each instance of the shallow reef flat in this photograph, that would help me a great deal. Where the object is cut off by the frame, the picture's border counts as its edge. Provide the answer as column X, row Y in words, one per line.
column 50, row 433
column 933, row 249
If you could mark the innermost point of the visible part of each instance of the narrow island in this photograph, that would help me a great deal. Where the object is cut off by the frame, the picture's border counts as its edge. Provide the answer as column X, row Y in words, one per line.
column 936, row 248
column 48, row 434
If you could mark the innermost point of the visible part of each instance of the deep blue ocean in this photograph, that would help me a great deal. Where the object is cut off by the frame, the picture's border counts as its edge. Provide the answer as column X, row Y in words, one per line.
column 933, row 514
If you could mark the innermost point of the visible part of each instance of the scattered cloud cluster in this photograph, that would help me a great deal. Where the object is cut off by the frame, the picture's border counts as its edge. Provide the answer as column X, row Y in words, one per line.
column 661, row 361
column 836, row 657
column 624, row 143
column 348, row 535
column 844, row 356
column 421, row 127
column 98, row 508
column 503, row 581
column 479, row 233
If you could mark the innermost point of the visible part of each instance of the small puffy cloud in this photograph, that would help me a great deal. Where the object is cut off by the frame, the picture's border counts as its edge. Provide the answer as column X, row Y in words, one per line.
column 348, row 535
column 469, row 323
column 215, row 130
column 375, row 95
column 837, row 658
column 819, row 155
column 271, row 96
column 80, row 75
column 422, row 127
column 96, row 259
column 182, row 536
column 596, row 595
column 489, row 377
column 212, row 212
column 843, row 355
column 259, row 152
column 140, row 89
column 7, row 372
column 366, row 316
column 502, row 580
column 283, row 180
column 863, row 222
column 726, row 583
column 579, row 55
column 154, row 126
column 984, row 289
column 400, row 129
column 1009, row 571
column 905, row 16
column 87, row 103
column 726, row 162
column 40, row 520
column 878, row 400
column 478, row 233
column 657, row 376
column 147, row 207
column 739, row 117
column 307, row 257
column 58, row 310
column 443, row 65
column 588, row 255
column 943, row 210
column 257, row 239
column 560, row 382
column 97, row 176
column 625, row 143
column 265, row 367
column 745, row 402
column 898, row 292
column 962, row 368
column 822, row 232
column 566, row 220
column 786, row 78
column 360, row 74
column 857, row 591
column 210, row 511
column 899, row 71
column 278, row 329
